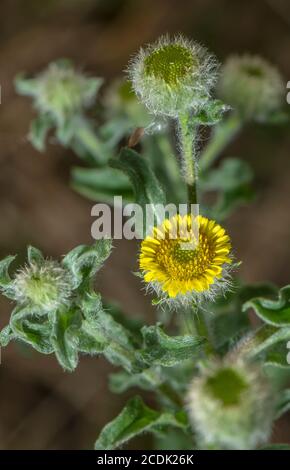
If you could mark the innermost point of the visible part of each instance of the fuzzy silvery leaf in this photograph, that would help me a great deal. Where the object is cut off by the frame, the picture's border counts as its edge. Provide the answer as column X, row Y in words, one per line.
column 134, row 419
column 101, row 184
column 118, row 344
column 231, row 174
column 121, row 381
column 31, row 328
column 265, row 339
column 283, row 403
column 277, row 356
column 34, row 256
column 132, row 324
column 272, row 312
column 228, row 323
column 66, row 131
column 146, row 187
column 161, row 349
column 64, row 336
column 39, row 129
column 6, row 335
column 26, row 86
column 211, row 113
column 85, row 261
column 88, row 344
column 232, row 182
column 5, row 278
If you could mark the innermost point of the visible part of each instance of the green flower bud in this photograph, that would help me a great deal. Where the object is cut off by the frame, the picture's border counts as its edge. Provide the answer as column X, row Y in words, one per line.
column 173, row 76
column 45, row 286
column 60, row 91
column 252, row 86
column 230, row 406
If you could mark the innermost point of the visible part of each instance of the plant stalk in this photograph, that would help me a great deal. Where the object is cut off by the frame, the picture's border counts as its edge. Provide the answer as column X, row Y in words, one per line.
column 187, row 137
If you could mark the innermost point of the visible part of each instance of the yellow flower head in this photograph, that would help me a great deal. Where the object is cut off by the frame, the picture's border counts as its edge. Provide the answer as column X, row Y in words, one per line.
column 186, row 256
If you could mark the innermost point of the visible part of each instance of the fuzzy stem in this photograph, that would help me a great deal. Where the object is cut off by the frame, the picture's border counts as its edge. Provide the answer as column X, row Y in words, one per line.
column 222, row 135
column 202, row 328
column 187, row 136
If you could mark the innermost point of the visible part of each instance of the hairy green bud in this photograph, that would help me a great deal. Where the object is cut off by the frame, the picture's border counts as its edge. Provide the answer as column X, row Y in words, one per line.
column 60, row 90
column 45, row 286
column 173, row 76
column 230, row 406
column 252, row 86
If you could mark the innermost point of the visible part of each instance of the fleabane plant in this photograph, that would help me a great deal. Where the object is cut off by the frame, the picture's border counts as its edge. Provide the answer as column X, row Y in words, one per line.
column 210, row 369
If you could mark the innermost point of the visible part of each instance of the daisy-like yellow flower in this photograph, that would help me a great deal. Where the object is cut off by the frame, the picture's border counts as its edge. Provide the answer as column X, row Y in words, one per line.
column 186, row 256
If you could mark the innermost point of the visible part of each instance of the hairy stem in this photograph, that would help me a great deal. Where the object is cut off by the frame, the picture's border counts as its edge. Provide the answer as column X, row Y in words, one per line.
column 202, row 327
column 187, row 137
column 222, row 135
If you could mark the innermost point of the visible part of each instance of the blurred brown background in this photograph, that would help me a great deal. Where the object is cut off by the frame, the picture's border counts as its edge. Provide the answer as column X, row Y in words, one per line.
column 42, row 407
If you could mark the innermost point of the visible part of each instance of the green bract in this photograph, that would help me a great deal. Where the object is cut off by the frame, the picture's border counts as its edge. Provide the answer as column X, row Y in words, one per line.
column 50, row 296
column 60, row 90
column 252, row 86
column 173, row 76
column 231, row 406
column 61, row 95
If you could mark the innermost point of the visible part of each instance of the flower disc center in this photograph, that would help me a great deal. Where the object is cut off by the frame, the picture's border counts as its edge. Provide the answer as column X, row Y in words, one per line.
column 172, row 63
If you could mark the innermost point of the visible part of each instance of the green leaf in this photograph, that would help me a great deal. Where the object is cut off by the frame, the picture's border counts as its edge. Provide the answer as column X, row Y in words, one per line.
column 161, row 349
column 39, row 129
column 34, row 329
column 232, row 183
column 231, row 174
column 272, row 312
column 6, row 335
column 34, row 256
column 85, row 261
column 65, row 131
column 5, row 278
column 118, row 346
column 277, row 356
column 101, row 184
column 211, row 113
column 267, row 337
column 120, row 382
column 64, row 337
column 146, row 187
column 26, row 86
column 283, row 403
column 132, row 324
column 133, row 420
